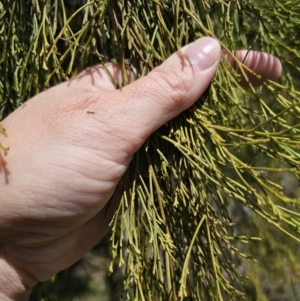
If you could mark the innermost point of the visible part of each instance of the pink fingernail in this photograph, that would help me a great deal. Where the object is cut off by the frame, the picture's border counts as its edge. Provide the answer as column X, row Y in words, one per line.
column 203, row 53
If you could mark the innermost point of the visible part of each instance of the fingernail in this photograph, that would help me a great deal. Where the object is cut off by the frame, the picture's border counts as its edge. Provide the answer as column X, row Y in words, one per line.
column 203, row 53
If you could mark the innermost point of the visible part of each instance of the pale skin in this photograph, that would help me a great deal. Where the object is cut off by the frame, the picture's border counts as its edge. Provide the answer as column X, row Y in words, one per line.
column 64, row 164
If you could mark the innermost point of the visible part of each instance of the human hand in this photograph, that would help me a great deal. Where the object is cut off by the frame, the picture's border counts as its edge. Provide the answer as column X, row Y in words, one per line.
column 70, row 147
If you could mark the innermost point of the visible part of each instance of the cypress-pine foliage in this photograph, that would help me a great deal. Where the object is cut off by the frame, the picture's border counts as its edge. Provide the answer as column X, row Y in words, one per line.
column 203, row 177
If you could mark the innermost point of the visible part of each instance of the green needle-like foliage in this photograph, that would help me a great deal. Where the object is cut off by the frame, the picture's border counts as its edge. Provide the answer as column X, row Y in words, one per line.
column 177, row 234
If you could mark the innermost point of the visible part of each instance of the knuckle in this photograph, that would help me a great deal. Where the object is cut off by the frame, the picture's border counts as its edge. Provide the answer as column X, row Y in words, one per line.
column 171, row 83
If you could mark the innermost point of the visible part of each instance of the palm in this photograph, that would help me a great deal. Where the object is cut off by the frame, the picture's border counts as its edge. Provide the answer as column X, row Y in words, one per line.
column 72, row 164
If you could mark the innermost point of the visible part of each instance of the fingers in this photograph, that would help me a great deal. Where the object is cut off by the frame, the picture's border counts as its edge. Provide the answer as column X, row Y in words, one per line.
column 109, row 77
column 263, row 64
column 166, row 91
column 143, row 106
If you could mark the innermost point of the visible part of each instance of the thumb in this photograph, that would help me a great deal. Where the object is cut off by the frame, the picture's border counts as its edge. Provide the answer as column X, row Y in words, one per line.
column 169, row 89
